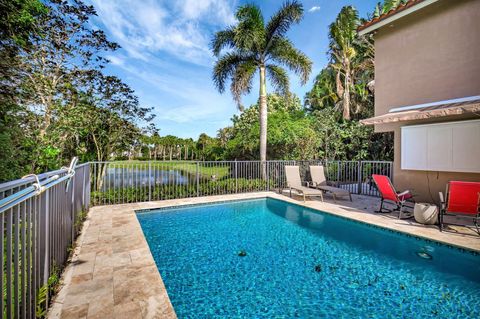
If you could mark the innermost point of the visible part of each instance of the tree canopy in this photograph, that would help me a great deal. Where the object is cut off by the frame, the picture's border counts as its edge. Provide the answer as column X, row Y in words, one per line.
column 253, row 45
column 57, row 101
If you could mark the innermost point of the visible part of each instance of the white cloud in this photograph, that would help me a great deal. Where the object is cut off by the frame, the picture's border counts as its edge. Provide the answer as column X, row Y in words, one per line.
column 118, row 59
column 156, row 38
column 314, row 9
column 180, row 28
column 195, row 99
column 218, row 9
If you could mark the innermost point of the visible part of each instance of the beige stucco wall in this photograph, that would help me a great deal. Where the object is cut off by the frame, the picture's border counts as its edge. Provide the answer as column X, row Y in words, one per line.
column 430, row 55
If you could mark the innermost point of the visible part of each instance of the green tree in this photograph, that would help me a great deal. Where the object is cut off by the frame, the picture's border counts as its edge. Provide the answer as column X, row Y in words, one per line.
column 253, row 46
column 291, row 133
column 67, row 57
column 18, row 20
column 351, row 56
column 323, row 94
column 17, row 29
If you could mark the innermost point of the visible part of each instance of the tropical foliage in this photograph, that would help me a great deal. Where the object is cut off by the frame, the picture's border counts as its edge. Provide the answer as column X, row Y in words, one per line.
column 253, row 46
column 387, row 5
column 57, row 101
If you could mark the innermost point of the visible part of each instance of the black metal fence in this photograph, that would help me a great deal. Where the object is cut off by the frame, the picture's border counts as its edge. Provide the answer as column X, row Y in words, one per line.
column 38, row 226
column 139, row 181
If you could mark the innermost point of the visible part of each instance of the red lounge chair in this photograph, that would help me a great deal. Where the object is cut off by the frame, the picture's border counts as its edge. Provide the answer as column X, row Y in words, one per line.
column 388, row 193
column 463, row 199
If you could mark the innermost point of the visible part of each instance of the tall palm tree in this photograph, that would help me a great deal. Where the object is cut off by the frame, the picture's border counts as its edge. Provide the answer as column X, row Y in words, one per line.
column 251, row 46
column 343, row 34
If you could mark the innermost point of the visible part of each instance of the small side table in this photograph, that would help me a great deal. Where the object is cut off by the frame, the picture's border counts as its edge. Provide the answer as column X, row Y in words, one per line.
column 425, row 213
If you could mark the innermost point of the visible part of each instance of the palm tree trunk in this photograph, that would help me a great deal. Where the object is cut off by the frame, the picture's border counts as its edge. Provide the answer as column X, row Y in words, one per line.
column 346, row 93
column 263, row 116
column 263, row 120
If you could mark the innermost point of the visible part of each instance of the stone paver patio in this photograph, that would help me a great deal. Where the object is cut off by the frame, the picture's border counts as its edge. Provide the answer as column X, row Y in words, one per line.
column 113, row 274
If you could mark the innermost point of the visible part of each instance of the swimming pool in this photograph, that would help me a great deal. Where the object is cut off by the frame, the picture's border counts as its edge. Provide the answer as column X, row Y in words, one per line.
column 267, row 258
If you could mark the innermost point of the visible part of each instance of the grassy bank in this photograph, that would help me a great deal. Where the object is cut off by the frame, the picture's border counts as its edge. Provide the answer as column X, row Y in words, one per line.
column 205, row 170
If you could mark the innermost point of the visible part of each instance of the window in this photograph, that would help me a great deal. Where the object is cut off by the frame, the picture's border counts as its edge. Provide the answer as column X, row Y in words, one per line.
column 449, row 147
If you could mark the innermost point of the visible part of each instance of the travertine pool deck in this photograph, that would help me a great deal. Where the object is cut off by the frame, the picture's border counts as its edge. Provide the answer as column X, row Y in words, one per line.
column 113, row 274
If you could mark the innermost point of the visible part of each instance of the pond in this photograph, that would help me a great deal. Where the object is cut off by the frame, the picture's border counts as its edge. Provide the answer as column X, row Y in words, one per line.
column 138, row 177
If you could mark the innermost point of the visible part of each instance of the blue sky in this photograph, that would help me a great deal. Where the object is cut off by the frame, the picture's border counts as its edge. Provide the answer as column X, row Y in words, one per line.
column 165, row 54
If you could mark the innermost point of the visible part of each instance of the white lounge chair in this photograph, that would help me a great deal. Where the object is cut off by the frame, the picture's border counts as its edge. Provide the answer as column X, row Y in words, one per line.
column 292, row 174
column 320, row 182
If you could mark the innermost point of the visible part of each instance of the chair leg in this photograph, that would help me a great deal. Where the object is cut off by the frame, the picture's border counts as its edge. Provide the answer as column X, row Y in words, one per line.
column 380, row 210
column 440, row 220
column 475, row 221
column 350, row 195
column 400, row 211
column 321, row 195
column 334, row 198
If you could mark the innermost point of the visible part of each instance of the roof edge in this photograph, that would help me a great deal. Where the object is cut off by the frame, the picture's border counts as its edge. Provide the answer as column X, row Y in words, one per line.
column 393, row 15
column 413, row 115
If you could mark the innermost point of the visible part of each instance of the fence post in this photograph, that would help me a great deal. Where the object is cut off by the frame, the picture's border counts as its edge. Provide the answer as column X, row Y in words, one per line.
column 359, row 177
column 149, row 181
column 198, row 180
column 236, row 177
column 46, row 242
column 74, row 216
column 268, row 175
column 391, row 171
column 338, row 171
column 84, row 186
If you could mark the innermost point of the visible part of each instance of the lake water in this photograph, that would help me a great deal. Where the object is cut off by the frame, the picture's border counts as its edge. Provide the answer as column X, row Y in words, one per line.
column 128, row 177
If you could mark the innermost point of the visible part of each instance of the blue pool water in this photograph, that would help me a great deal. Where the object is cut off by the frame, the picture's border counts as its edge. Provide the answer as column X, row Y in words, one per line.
column 301, row 263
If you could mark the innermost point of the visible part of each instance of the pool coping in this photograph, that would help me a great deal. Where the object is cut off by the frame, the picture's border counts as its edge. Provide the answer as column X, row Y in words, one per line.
column 113, row 273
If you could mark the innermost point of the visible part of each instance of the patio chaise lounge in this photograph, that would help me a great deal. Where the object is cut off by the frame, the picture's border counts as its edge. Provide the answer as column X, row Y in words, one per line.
column 463, row 200
column 320, row 182
column 388, row 193
column 292, row 174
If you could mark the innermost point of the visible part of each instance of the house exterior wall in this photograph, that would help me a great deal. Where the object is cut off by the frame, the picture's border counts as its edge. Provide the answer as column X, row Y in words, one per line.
column 427, row 56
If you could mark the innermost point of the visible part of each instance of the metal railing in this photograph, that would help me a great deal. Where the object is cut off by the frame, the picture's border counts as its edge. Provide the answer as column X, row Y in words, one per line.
column 39, row 214
column 128, row 182
column 38, row 225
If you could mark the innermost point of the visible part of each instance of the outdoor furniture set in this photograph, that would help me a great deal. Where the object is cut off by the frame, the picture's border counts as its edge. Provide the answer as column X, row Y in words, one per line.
column 462, row 198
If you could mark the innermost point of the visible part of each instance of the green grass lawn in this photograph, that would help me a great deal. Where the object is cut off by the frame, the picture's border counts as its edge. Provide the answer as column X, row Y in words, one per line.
column 204, row 170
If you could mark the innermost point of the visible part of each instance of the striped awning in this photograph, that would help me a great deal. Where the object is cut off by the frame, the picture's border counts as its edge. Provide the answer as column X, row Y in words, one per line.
column 431, row 110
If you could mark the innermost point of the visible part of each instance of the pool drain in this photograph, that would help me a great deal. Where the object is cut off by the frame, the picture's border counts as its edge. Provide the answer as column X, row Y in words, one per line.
column 318, row 268
column 242, row 253
column 424, row 255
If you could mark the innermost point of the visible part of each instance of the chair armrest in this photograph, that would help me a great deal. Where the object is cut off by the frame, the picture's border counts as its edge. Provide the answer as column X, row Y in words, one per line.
column 404, row 193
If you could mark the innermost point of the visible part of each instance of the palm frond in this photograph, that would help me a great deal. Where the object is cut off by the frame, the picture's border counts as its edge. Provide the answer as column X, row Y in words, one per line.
column 343, row 30
column 290, row 13
column 242, row 80
column 279, row 79
column 223, row 39
column 250, row 30
column 225, row 68
column 283, row 51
